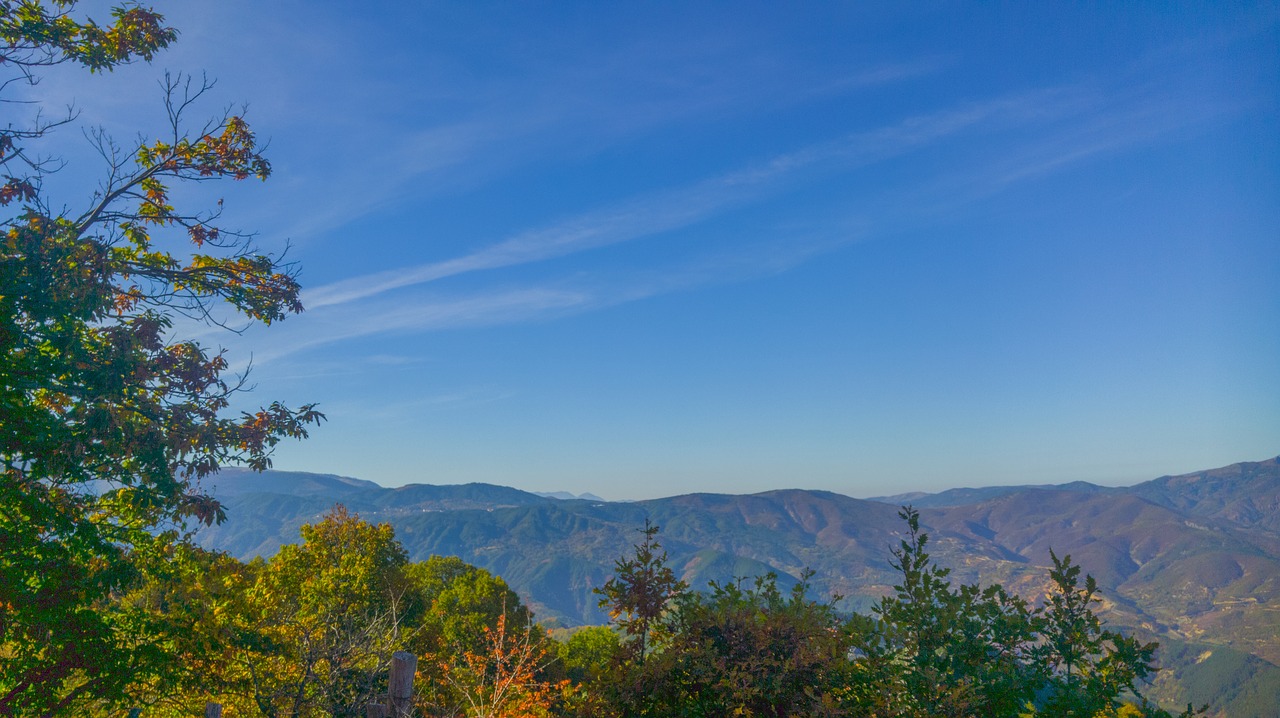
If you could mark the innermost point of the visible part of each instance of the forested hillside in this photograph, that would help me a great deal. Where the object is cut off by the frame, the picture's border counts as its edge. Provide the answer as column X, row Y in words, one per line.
column 1186, row 560
column 312, row 630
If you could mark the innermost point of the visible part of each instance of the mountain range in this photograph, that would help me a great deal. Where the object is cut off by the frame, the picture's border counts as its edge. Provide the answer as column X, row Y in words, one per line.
column 1191, row 560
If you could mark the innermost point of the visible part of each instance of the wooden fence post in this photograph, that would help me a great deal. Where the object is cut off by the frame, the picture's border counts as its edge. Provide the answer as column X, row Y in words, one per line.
column 212, row 710
column 400, row 686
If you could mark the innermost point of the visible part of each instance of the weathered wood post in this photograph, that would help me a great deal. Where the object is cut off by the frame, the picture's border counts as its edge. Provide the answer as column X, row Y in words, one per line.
column 400, row 686
column 212, row 710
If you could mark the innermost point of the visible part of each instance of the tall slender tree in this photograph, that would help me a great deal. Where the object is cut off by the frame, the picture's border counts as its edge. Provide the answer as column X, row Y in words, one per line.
column 639, row 592
column 1091, row 668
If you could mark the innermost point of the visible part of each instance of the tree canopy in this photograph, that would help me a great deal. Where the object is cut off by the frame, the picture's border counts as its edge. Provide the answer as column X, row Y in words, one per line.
column 107, row 421
column 930, row 649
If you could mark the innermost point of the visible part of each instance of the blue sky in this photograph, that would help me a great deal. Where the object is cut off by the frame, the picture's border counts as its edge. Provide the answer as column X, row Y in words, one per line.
column 662, row 248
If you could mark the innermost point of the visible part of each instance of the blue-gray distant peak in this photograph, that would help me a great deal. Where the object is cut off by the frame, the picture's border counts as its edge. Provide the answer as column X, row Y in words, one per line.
column 566, row 496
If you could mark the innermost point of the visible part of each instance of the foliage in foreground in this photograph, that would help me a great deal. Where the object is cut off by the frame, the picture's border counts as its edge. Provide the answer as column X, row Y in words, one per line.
column 929, row 649
column 310, row 632
column 107, row 423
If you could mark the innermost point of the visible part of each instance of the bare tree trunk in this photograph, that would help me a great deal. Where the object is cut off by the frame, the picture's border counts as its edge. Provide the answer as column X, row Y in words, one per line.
column 400, row 686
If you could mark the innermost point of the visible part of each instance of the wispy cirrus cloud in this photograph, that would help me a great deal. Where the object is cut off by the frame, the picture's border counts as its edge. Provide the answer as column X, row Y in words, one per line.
column 671, row 209
column 354, row 321
column 540, row 301
column 1036, row 134
column 510, row 121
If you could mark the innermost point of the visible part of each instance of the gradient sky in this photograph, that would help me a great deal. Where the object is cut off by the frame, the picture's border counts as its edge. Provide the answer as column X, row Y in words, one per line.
column 648, row 249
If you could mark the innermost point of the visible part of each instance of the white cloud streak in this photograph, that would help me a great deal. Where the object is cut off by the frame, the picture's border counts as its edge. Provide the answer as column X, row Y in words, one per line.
column 1067, row 127
column 352, row 322
column 672, row 209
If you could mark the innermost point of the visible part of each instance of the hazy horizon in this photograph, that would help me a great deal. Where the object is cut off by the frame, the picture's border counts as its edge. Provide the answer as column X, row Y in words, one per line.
column 212, row 484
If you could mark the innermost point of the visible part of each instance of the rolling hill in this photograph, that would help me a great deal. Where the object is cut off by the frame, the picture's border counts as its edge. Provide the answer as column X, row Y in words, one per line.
column 1192, row 560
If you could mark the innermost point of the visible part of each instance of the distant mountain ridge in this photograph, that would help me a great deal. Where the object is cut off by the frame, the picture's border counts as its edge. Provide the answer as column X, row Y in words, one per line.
column 965, row 496
column 1193, row 560
column 566, row 496
column 1246, row 494
column 238, row 482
